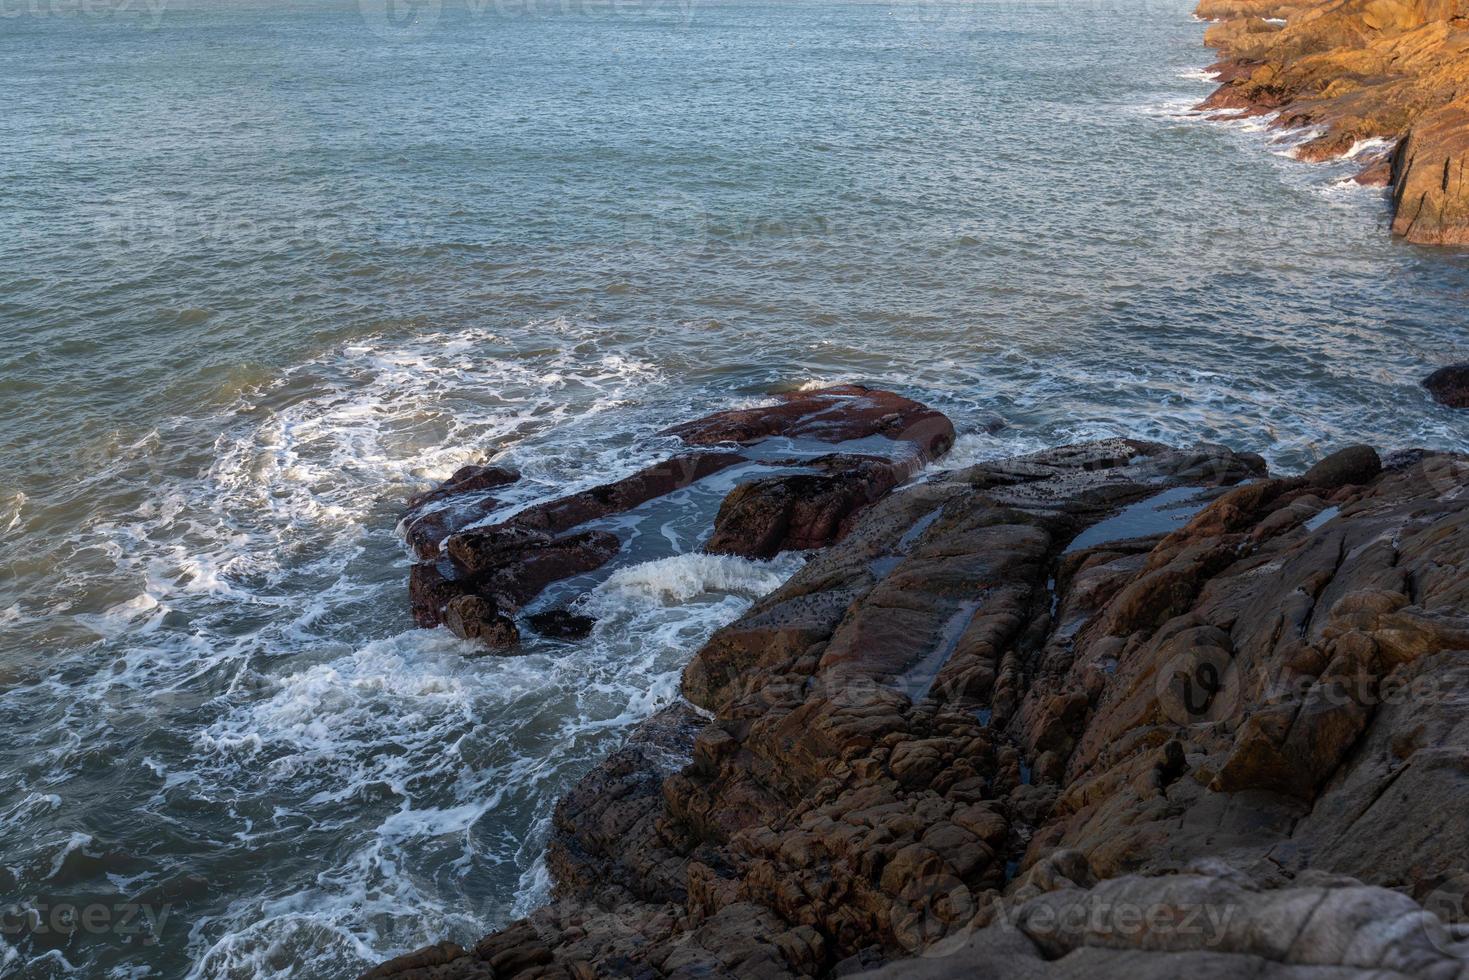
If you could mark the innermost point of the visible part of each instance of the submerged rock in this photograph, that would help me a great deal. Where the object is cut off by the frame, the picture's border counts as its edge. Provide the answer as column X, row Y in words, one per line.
column 562, row 624
column 1449, row 386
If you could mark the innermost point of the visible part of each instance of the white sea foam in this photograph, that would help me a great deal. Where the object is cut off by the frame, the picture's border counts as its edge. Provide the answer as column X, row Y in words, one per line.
column 10, row 518
column 972, row 448
column 681, row 578
column 1199, row 75
column 1370, row 146
column 269, row 588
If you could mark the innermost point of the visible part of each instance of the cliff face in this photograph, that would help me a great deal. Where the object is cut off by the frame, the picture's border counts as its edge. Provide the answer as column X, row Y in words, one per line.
column 1110, row 710
column 1359, row 70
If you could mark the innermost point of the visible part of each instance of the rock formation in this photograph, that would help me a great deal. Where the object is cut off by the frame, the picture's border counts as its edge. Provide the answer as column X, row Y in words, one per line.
column 1113, row 710
column 1357, row 71
column 473, row 576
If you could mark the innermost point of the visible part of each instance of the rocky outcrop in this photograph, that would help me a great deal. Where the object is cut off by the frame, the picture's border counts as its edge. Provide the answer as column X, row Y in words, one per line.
column 1357, row 71
column 1026, row 721
column 474, row 575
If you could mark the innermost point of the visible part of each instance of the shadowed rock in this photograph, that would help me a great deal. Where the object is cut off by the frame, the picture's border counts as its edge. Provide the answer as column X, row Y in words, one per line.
column 512, row 565
column 562, row 624
column 1352, row 466
column 1449, row 386
column 800, row 511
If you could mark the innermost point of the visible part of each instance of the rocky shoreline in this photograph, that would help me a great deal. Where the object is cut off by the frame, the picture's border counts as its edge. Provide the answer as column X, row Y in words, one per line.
column 1115, row 709
column 1386, row 81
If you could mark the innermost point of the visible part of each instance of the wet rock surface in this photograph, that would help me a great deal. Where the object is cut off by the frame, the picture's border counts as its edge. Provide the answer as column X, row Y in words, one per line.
column 954, row 746
column 562, row 624
column 459, row 501
column 839, row 414
column 475, row 574
column 1449, row 386
column 801, row 511
column 1358, row 71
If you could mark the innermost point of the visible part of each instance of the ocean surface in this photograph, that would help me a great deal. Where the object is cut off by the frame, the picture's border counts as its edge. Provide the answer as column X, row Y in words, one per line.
column 267, row 269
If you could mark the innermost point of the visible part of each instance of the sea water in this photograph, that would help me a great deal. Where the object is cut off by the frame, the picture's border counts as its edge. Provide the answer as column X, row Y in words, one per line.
column 266, row 269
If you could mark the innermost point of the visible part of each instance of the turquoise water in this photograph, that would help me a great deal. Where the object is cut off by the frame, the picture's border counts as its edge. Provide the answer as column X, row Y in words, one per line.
column 266, row 269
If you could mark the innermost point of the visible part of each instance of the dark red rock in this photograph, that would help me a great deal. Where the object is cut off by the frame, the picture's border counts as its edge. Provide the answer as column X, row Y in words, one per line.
column 799, row 511
column 512, row 562
column 832, row 415
column 480, row 551
column 509, row 566
column 1449, row 386
column 647, row 484
column 431, row 586
column 458, row 502
column 945, row 735
column 562, row 624
column 521, row 577
column 472, row 617
column 466, row 479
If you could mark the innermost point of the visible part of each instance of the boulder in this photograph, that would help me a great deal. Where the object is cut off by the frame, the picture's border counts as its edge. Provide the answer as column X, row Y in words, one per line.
column 1346, row 467
column 472, row 617
column 1449, row 386
column 795, row 512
